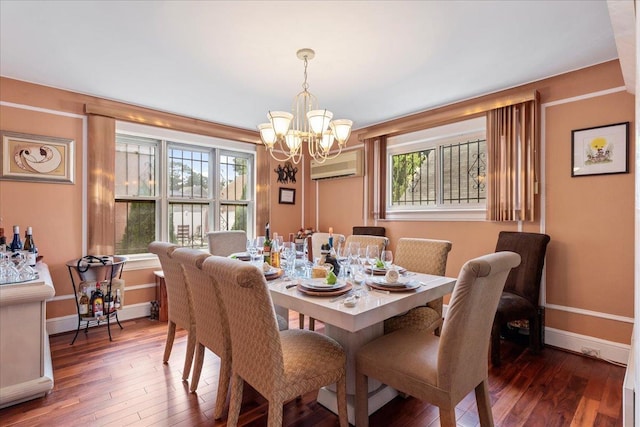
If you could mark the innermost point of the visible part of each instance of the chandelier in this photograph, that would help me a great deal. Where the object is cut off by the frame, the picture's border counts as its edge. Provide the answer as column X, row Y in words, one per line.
column 305, row 124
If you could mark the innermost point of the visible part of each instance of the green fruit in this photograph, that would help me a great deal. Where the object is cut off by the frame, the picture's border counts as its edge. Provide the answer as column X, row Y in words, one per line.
column 331, row 278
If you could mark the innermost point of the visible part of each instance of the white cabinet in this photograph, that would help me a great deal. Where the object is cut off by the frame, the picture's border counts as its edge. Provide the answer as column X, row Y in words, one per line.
column 25, row 358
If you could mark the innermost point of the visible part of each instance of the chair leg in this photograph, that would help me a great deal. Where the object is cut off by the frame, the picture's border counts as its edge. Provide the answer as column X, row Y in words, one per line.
column 534, row 333
column 301, row 321
column 341, row 388
column 171, row 334
column 275, row 414
column 484, row 404
column 312, row 324
column 223, row 387
column 188, row 357
column 495, row 344
column 236, row 400
column 197, row 368
column 362, row 400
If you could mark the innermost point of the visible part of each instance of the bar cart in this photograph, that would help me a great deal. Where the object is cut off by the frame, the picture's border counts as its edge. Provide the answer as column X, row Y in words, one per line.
column 95, row 269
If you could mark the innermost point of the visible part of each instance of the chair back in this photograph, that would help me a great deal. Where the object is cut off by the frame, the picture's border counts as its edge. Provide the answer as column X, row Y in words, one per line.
column 211, row 318
column 464, row 342
column 366, row 240
column 178, row 295
column 422, row 255
column 255, row 340
column 525, row 279
column 224, row 243
column 319, row 239
column 368, row 230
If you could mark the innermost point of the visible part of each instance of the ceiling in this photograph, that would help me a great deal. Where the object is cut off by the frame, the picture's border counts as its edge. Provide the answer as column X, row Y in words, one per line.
column 232, row 61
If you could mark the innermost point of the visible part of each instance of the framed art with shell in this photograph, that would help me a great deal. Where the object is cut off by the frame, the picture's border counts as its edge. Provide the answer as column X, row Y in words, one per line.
column 26, row 157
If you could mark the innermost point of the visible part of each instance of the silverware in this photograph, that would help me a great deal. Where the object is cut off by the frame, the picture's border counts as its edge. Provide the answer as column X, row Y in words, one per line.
column 292, row 285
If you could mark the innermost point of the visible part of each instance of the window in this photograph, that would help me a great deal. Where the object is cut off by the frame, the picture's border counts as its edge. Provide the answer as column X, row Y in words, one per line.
column 438, row 173
column 176, row 187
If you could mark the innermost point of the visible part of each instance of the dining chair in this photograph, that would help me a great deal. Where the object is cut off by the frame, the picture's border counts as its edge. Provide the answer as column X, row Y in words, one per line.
column 366, row 240
column 180, row 310
column 521, row 293
column 442, row 370
column 368, row 230
column 225, row 243
column 212, row 329
column 421, row 256
column 280, row 365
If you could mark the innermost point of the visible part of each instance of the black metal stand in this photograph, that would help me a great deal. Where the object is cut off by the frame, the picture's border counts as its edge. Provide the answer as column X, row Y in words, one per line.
column 90, row 271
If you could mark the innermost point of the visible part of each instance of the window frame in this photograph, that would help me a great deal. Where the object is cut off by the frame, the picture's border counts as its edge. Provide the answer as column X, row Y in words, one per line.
column 167, row 139
column 436, row 137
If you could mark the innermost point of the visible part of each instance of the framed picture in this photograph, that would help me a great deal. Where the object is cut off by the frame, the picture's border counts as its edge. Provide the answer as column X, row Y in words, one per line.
column 600, row 150
column 287, row 196
column 36, row 158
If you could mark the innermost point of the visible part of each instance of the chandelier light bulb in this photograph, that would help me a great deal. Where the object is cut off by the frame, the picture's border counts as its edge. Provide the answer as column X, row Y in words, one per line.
column 341, row 130
column 267, row 134
column 326, row 142
column 319, row 120
column 293, row 141
column 280, row 120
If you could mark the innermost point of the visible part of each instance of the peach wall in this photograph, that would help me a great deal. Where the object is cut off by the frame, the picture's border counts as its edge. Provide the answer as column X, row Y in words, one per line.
column 589, row 263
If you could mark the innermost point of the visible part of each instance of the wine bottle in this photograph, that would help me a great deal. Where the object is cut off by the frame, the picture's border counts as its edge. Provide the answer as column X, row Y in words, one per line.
column 275, row 252
column 83, row 302
column 266, row 249
column 30, row 248
column 97, row 302
column 16, row 243
column 3, row 240
column 116, row 302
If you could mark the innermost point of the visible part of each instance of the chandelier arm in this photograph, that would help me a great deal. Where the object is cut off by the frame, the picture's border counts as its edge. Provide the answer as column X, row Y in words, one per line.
column 295, row 159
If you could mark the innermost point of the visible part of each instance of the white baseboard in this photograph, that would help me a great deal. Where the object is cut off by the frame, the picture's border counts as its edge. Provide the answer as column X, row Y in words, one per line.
column 70, row 323
column 609, row 350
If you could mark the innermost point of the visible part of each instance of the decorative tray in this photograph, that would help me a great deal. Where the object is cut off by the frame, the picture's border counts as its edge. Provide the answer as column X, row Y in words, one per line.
column 382, row 271
column 393, row 287
column 273, row 274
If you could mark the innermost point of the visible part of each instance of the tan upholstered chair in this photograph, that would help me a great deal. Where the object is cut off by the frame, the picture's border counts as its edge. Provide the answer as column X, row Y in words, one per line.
column 422, row 256
column 212, row 329
column 366, row 240
column 319, row 239
column 224, row 243
column 279, row 365
column 442, row 370
column 179, row 301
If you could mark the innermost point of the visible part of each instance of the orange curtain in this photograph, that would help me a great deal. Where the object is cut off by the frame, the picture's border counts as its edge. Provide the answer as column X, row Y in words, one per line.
column 512, row 147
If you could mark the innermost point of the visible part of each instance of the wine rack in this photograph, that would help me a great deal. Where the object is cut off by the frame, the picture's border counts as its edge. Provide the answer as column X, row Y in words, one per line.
column 95, row 269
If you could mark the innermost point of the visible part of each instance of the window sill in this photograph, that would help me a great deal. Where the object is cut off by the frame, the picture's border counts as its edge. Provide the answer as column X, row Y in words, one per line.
column 470, row 214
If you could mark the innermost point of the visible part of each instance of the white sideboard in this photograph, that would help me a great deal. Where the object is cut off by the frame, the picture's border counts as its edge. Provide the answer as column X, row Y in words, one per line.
column 25, row 358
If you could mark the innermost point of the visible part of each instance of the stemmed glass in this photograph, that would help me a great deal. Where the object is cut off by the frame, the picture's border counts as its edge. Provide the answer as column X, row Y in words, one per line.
column 290, row 253
column 252, row 249
column 387, row 258
column 373, row 254
column 344, row 259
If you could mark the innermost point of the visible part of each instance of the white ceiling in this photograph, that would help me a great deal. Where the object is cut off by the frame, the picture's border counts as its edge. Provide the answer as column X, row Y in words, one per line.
column 232, row 61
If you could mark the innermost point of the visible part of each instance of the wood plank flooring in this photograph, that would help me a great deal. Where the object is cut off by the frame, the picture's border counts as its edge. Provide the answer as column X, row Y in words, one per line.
column 125, row 383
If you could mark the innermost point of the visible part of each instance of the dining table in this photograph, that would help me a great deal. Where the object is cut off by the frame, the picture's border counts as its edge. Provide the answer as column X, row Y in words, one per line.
column 358, row 321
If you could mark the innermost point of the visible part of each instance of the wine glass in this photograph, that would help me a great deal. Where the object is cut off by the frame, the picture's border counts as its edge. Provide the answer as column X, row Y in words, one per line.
column 289, row 251
column 373, row 255
column 344, row 258
column 387, row 258
column 354, row 249
column 252, row 249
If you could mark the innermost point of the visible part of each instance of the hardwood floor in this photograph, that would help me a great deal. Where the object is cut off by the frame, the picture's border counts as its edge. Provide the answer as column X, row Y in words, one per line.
column 124, row 382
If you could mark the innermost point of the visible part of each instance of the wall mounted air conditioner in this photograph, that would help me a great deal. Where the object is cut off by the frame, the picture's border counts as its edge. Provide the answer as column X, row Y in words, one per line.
column 348, row 163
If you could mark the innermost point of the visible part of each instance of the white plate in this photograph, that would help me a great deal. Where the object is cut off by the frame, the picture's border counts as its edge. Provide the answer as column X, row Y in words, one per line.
column 383, row 282
column 322, row 286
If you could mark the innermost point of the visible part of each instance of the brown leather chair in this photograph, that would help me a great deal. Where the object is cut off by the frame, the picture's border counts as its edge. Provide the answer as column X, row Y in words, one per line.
column 522, row 290
column 442, row 369
column 368, row 230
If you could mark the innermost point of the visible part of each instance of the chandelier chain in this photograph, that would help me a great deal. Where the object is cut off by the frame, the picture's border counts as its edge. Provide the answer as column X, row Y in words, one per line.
column 305, row 85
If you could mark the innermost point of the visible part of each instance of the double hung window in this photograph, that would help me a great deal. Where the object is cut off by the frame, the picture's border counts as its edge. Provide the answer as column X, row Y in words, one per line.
column 177, row 187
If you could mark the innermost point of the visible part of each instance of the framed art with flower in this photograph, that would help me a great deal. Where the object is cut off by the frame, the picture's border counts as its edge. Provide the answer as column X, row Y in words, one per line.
column 600, row 150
